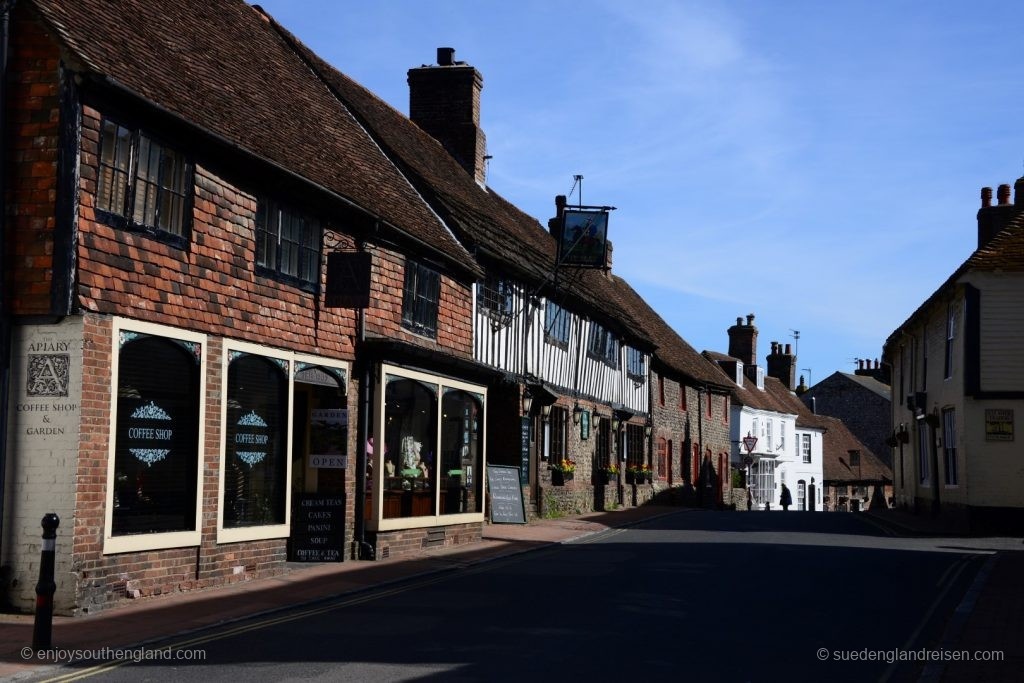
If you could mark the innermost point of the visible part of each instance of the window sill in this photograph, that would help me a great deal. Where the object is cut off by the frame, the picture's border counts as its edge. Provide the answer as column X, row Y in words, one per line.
column 134, row 543
column 119, row 222
column 253, row 533
column 289, row 280
column 422, row 334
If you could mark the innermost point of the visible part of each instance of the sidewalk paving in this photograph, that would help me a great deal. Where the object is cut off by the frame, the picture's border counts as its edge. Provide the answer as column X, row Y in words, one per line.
column 991, row 615
column 157, row 618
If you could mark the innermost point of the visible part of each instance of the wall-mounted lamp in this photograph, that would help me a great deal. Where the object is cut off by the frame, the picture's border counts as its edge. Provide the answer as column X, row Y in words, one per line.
column 615, row 424
column 648, row 428
column 595, row 419
column 527, row 402
column 577, row 413
column 546, row 411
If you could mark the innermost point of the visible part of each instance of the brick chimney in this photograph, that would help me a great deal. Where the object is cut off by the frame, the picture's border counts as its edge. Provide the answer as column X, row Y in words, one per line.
column 782, row 364
column 444, row 100
column 879, row 371
column 743, row 342
column 992, row 219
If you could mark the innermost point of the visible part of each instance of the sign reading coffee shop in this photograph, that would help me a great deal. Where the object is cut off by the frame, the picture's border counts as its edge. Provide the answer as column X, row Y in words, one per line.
column 149, row 433
column 318, row 529
column 251, row 439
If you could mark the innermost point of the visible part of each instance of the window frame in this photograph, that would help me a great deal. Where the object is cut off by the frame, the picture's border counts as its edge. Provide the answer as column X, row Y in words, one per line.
column 126, row 220
column 555, row 322
column 376, row 521
column 805, row 453
column 636, row 365
column 950, row 334
column 558, row 421
column 495, row 296
column 161, row 540
column 264, row 207
column 610, row 346
column 411, row 311
column 950, row 462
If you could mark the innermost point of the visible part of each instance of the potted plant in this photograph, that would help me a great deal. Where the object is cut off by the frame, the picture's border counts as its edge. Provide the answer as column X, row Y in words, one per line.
column 562, row 471
column 638, row 474
column 609, row 474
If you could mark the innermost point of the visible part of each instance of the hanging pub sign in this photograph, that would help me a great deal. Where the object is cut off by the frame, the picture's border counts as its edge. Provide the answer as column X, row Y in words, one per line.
column 348, row 279
column 584, row 237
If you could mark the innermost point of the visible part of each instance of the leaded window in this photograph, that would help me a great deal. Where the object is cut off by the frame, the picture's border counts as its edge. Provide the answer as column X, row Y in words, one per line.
column 287, row 244
column 635, row 365
column 603, row 345
column 420, row 295
column 494, row 295
column 142, row 183
column 556, row 324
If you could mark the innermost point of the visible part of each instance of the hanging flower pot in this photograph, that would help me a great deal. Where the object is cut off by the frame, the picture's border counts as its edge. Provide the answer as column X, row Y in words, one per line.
column 558, row 477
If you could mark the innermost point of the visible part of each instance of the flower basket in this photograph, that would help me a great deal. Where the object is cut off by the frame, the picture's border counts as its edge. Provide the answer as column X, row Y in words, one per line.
column 558, row 477
column 607, row 477
column 562, row 471
column 638, row 475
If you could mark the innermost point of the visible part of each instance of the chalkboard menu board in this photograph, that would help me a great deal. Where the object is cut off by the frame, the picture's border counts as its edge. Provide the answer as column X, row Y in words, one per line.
column 506, row 494
column 318, row 529
column 524, row 450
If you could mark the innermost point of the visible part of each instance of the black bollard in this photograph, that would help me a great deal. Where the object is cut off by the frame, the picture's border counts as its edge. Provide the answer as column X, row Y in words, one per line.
column 43, row 631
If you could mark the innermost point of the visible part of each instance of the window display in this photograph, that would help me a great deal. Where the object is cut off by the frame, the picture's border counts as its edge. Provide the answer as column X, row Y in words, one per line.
column 255, row 437
column 156, row 435
column 410, row 420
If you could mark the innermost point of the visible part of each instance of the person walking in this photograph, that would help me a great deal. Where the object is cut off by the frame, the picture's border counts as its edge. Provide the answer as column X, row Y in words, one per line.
column 786, row 498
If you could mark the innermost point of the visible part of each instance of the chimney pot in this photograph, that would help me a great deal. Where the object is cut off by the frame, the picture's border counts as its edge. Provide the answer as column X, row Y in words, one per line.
column 1003, row 194
column 1018, row 192
column 876, row 364
column 750, row 316
column 739, row 321
column 445, row 56
column 789, row 350
column 986, row 197
column 775, row 347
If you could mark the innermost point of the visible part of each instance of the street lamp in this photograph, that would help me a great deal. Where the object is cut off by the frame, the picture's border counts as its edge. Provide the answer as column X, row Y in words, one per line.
column 527, row 402
column 577, row 413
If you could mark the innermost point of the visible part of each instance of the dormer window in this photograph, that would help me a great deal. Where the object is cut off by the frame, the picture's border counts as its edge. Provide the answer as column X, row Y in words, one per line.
column 739, row 373
column 760, row 379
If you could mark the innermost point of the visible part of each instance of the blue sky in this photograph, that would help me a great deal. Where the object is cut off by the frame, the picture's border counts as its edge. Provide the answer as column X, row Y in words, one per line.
column 817, row 164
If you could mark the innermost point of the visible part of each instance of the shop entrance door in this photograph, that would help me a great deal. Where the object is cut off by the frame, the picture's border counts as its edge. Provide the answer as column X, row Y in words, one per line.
column 319, row 466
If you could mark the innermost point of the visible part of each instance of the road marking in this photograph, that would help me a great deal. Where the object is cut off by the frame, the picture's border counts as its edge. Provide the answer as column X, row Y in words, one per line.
column 907, row 646
column 595, row 538
column 950, row 568
column 274, row 621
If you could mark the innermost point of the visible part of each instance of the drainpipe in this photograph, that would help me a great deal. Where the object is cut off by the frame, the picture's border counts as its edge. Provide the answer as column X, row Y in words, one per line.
column 5, row 317
column 363, row 549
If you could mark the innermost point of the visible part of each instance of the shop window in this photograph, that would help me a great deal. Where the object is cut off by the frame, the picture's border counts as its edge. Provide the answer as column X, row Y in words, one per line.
column 142, row 184
column 256, row 438
column 462, row 415
column 156, row 436
column 420, row 295
column 410, row 435
column 432, row 461
column 287, row 245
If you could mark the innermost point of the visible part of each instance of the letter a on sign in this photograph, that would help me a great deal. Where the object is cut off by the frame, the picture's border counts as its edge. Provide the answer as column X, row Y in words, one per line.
column 348, row 279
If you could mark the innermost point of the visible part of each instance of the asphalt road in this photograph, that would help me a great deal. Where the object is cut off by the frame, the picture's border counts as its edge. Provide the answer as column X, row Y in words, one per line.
column 691, row 596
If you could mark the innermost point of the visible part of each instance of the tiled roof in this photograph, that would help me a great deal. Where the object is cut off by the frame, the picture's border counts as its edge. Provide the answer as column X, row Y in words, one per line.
column 775, row 397
column 672, row 349
column 870, row 383
column 715, row 356
column 1005, row 251
column 220, row 66
column 838, row 441
column 481, row 217
column 485, row 222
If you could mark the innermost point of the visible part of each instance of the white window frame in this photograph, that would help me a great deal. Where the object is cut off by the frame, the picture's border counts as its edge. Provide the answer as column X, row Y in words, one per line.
column 269, row 531
column 377, row 521
column 805, row 448
column 168, row 539
column 801, row 495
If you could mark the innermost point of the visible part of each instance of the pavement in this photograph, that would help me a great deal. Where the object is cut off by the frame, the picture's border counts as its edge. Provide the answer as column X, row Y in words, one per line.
column 990, row 617
column 149, row 620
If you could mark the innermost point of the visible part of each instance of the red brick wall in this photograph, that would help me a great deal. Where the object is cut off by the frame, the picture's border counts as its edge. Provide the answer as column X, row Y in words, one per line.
column 454, row 311
column 33, row 109
column 389, row 544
